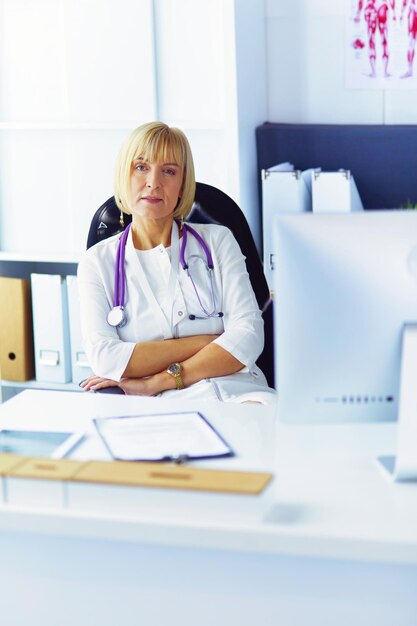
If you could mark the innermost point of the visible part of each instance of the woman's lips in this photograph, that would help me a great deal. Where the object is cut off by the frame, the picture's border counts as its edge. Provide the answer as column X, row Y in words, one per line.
column 152, row 199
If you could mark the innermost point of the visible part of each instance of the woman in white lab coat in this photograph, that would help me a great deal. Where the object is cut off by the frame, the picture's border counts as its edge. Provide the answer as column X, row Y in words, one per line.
column 159, row 321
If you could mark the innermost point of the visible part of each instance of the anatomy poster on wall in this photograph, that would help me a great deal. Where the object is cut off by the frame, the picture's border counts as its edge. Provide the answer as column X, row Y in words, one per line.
column 381, row 42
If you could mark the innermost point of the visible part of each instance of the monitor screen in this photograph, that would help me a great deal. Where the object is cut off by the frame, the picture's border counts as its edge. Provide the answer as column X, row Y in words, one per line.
column 344, row 286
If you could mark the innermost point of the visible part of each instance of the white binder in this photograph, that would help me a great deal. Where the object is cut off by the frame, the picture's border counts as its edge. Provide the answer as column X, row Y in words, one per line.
column 284, row 190
column 79, row 362
column 335, row 192
column 50, row 328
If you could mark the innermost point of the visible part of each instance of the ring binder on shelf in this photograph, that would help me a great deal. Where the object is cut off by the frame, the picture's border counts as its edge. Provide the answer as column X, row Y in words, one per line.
column 284, row 190
column 335, row 192
column 16, row 336
column 79, row 362
column 50, row 326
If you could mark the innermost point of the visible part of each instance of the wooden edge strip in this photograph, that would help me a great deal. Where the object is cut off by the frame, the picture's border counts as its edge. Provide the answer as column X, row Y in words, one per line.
column 135, row 474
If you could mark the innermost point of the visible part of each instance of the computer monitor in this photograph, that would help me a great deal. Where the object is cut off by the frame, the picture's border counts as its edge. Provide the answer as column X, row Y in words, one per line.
column 344, row 285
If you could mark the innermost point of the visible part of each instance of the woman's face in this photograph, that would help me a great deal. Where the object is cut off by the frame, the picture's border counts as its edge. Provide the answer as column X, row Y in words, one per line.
column 155, row 188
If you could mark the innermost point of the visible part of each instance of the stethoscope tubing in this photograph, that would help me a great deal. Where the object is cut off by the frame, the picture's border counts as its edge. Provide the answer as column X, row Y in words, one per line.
column 187, row 228
column 119, row 276
column 213, row 300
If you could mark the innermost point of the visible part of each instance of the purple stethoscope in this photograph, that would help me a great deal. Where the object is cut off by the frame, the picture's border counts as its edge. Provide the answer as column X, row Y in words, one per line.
column 117, row 315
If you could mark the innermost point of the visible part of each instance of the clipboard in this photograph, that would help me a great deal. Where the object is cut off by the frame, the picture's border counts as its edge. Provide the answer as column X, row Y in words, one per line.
column 162, row 437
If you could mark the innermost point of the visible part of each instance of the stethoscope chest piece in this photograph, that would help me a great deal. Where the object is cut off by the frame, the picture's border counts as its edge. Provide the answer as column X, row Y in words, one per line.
column 117, row 317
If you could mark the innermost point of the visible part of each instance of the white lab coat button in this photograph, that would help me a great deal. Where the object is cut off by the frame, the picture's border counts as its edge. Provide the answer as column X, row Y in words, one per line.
column 180, row 313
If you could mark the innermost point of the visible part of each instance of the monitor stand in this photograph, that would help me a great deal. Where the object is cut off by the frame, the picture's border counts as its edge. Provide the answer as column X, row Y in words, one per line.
column 403, row 466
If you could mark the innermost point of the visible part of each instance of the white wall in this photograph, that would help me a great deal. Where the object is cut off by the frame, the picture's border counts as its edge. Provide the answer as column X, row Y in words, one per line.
column 78, row 75
column 189, row 44
column 211, row 67
column 74, row 82
column 222, row 68
column 306, row 69
column 248, row 52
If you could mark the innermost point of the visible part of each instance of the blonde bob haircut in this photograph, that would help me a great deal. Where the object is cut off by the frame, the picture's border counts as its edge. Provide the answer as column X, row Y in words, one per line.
column 160, row 143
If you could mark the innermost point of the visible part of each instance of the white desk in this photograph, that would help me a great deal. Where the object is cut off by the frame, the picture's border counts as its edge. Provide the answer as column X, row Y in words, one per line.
column 339, row 546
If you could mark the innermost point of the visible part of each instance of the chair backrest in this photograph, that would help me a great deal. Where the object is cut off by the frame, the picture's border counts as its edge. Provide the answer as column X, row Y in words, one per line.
column 211, row 206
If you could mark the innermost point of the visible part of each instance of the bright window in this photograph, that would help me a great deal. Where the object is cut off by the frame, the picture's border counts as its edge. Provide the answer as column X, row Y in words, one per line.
column 77, row 76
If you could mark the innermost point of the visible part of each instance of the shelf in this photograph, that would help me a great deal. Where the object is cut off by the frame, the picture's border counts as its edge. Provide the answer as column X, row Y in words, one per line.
column 18, row 265
column 37, row 257
column 36, row 384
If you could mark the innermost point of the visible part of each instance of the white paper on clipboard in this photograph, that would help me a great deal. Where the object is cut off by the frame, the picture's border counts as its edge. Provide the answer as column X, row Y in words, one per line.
column 161, row 437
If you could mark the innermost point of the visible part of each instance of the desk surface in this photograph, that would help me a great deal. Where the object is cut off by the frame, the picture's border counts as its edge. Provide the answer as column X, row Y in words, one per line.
column 331, row 500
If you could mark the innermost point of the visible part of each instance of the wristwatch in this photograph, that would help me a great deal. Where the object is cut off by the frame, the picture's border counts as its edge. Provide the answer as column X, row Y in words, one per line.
column 174, row 370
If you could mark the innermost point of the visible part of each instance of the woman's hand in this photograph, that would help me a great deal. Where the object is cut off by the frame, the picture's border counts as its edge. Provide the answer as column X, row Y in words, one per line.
column 148, row 386
column 95, row 383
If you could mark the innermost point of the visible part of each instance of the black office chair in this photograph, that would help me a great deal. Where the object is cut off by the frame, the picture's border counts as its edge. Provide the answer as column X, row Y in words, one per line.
column 211, row 206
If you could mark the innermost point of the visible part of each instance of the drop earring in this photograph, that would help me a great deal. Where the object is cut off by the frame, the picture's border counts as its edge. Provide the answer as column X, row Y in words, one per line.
column 121, row 220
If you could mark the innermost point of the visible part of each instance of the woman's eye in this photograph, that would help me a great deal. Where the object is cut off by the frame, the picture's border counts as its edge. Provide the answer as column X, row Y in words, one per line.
column 140, row 167
column 170, row 172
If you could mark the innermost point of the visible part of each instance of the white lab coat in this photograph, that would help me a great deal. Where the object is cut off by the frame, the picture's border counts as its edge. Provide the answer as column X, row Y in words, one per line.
column 241, row 327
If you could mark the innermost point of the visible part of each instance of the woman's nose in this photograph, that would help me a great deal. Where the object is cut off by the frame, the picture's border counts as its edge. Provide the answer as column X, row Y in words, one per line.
column 152, row 180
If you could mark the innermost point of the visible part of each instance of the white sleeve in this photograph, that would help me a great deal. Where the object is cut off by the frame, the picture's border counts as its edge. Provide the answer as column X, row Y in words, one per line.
column 243, row 336
column 107, row 354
